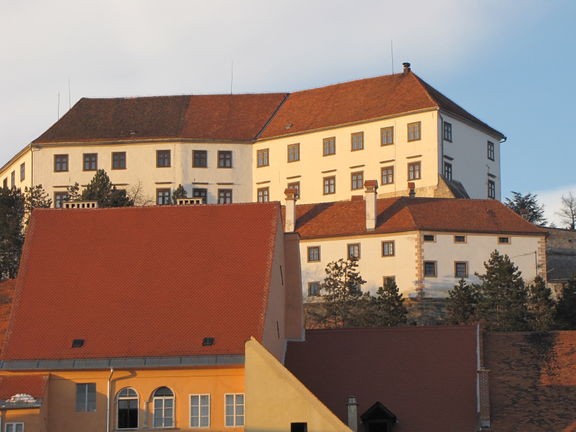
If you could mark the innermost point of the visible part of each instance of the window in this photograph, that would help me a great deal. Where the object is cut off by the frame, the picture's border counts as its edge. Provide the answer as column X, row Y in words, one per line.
column 357, row 141
column 200, row 411
column 299, row 427
column 448, row 170
column 13, row 179
column 354, row 251
column 234, row 410
column 448, row 131
column 262, row 157
column 224, row 196
column 429, row 237
column 314, row 253
column 387, row 175
column 414, row 131
column 163, row 406
column 387, row 135
column 163, row 158
column 59, row 199
column 5, row 183
column 263, row 194
column 296, row 187
column 459, row 239
column 86, row 397
column 504, row 240
column 313, row 289
column 119, row 160
column 90, row 161
column 387, row 280
column 14, row 427
column 329, row 146
column 329, row 185
column 163, row 197
column 460, row 269
column 200, row 193
column 357, row 180
column 127, row 405
column 22, row 171
column 224, row 159
column 490, row 150
column 429, row 268
column 388, row 248
column 61, row 162
column 293, row 152
column 414, row 171
column 491, row 189
column 200, row 158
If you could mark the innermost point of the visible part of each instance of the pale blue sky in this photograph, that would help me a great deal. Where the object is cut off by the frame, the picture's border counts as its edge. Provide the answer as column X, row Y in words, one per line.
column 510, row 63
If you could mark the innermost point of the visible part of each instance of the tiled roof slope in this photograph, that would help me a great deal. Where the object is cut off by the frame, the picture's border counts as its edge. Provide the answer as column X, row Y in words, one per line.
column 6, row 297
column 532, row 381
column 140, row 282
column 205, row 117
column 407, row 214
column 424, row 375
column 34, row 385
column 360, row 100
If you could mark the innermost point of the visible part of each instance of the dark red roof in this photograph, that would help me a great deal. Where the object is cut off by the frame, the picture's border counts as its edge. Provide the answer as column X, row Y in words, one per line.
column 138, row 282
column 6, row 297
column 34, row 385
column 407, row 214
column 425, row 375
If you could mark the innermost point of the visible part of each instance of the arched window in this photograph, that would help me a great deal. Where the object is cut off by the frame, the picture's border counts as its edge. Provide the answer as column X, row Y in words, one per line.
column 163, row 400
column 127, row 403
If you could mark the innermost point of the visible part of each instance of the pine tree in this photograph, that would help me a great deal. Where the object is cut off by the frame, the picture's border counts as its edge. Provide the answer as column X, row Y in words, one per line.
column 528, row 207
column 566, row 307
column 11, row 231
column 73, row 192
column 179, row 192
column 541, row 307
column 35, row 197
column 462, row 303
column 102, row 190
column 387, row 307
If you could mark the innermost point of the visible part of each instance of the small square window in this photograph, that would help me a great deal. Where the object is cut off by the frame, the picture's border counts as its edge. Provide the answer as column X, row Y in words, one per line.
column 387, row 280
column 299, row 427
column 224, row 159
column 200, row 193
column 293, row 152
column 414, row 171
column 329, row 146
column 448, row 131
column 388, row 248
column 313, row 289
column 119, row 160
column 296, row 187
column 61, row 162
column 329, row 185
column 224, row 196
column 163, row 197
column 22, row 171
column 448, row 170
column 262, row 157
column 199, row 158
column 414, row 131
column 387, row 135
column 504, row 240
column 90, row 161
column 460, row 269
column 459, row 239
column 314, row 254
column 354, row 251
column 357, row 141
column 357, row 180
column 60, row 198
column 263, row 194
column 387, row 174
column 429, row 237
column 491, row 189
column 490, row 150
column 429, row 268
column 163, row 158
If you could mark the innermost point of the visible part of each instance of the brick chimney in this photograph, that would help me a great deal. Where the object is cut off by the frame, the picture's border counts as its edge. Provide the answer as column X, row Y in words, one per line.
column 352, row 406
column 371, row 187
column 290, row 217
column 411, row 189
column 406, row 67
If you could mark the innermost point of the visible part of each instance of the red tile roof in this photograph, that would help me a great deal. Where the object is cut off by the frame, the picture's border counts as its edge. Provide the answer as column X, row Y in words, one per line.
column 6, row 297
column 34, row 385
column 532, row 381
column 148, row 281
column 425, row 375
column 400, row 214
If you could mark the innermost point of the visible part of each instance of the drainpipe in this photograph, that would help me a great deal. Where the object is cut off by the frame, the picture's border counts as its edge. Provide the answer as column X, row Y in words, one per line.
column 441, row 136
column 108, row 401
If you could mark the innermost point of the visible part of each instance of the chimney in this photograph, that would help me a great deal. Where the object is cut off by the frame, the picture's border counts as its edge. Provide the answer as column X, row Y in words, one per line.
column 411, row 189
column 370, row 202
column 352, row 413
column 406, row 67
column 290, row 217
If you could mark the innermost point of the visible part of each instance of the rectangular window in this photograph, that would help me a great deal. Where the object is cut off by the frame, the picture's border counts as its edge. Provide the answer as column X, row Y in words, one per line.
column 5, row 183
column 313, row 289
column 448, row 170
column 163, row 158
column 387, row 135
column 329, row 185
column 448, row 131
column 299, row 427
column 388, row 279
column 262, row 157
column 429, row 268
column 357, row 179
column 90, row 161
column 491, row 189
column 460, row 269
column 354, row 251
column 118, row 160
column 459, row 239
column 60, row 198
column 296, row 187
column 224, row 159
column 313, row 253
column 14, row 427
column 414, row 171
column 13, row 179
column 414, row 131
column 200, row 158
column 200, row 193
column 263, row 194
column 163, row 197
column 86, row 397
column 388, row 248
column 22, row 171
column 293, row 152
column 224, row 196
column 504, row 240
column 490, row 150
column 329, row 146
column 234, row 410
column 200, row 411
column 387, row 175
column 357, row 141
column 429, row 237
column 61, row 162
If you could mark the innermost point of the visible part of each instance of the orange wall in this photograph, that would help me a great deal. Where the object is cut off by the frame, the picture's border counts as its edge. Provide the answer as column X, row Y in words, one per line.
column 34, row 419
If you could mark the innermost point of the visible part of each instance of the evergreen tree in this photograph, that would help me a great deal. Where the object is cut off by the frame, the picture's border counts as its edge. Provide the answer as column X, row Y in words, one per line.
column 528, row 207
column 102, row 190
column 503, row 296
column 179, row 192
column 74, row 193
column 566, row 307
column 11, row 231
column 35, row 197
column 541, row 307
column 462, row 303
column 387, row 307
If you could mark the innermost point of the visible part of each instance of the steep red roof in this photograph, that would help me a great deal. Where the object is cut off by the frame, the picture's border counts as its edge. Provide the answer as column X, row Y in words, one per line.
column 425, row 375
column 407, row 214
column 6, row 297
column 34, row 385
column 148, row 281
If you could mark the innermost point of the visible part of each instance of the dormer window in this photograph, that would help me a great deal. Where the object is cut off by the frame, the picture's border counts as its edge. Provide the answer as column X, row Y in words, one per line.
column 378, row 418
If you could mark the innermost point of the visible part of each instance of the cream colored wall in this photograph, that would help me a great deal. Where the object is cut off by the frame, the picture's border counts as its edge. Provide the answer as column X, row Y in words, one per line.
column 14, row 166
column 313, row 166
column 275, row 398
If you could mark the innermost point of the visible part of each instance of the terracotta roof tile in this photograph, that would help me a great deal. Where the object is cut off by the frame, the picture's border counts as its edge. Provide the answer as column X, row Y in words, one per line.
column 148, row 281
column 34, row 385
column 6, row 297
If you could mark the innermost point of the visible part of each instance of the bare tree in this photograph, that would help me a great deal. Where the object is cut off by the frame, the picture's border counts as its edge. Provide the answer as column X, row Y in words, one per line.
column 136, row 194
column 568, row 211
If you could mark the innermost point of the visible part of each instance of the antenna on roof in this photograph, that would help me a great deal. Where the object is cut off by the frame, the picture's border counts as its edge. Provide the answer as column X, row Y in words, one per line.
column 392, row 55
column 231, row 76
column 58, row 108
column 69, row 97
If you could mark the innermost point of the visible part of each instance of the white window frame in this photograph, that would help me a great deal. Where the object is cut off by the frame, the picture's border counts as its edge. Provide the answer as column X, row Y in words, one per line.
column 119, row 398
column 163, row 399
column 13, row 428
column 199, row 416
column 235, row 406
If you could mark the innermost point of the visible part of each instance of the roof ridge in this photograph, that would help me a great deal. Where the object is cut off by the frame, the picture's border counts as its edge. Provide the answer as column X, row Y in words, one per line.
column 263, row 128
